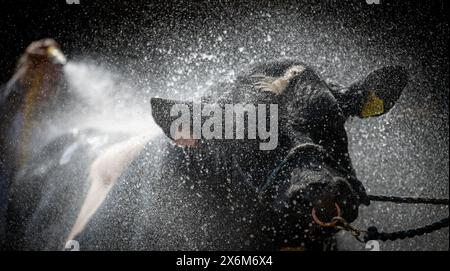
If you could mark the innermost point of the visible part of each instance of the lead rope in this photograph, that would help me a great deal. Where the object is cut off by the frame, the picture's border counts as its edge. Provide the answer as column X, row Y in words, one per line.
column 408, row 200
column 372, row 232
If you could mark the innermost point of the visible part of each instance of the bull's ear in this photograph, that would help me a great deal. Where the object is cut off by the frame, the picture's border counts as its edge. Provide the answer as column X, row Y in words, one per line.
column 377, row 93
column 161, row 111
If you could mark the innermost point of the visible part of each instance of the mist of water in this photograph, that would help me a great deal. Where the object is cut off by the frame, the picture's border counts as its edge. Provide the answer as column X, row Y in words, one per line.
column 105, row 101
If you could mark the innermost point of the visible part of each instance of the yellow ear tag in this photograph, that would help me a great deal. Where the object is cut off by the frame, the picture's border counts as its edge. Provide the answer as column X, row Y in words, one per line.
column 374, row 106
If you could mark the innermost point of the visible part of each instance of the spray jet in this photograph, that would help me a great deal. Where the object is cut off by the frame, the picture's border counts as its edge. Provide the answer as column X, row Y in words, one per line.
column 56, row 55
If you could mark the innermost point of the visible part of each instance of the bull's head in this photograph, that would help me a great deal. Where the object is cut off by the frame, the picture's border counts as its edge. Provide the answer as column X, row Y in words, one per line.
column 311, row 167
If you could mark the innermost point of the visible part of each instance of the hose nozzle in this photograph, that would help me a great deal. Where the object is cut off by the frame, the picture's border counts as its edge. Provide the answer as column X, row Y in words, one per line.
column 56, row 56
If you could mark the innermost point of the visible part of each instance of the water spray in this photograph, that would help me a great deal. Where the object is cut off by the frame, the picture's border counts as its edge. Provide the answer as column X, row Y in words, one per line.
column 56, row 56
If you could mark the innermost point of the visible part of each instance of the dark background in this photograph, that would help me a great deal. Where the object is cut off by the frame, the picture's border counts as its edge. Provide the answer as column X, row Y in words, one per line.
column 101, row 27
column 404, row 153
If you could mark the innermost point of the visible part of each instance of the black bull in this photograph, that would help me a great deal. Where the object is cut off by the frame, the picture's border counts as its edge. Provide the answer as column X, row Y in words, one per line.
column 209, row 197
